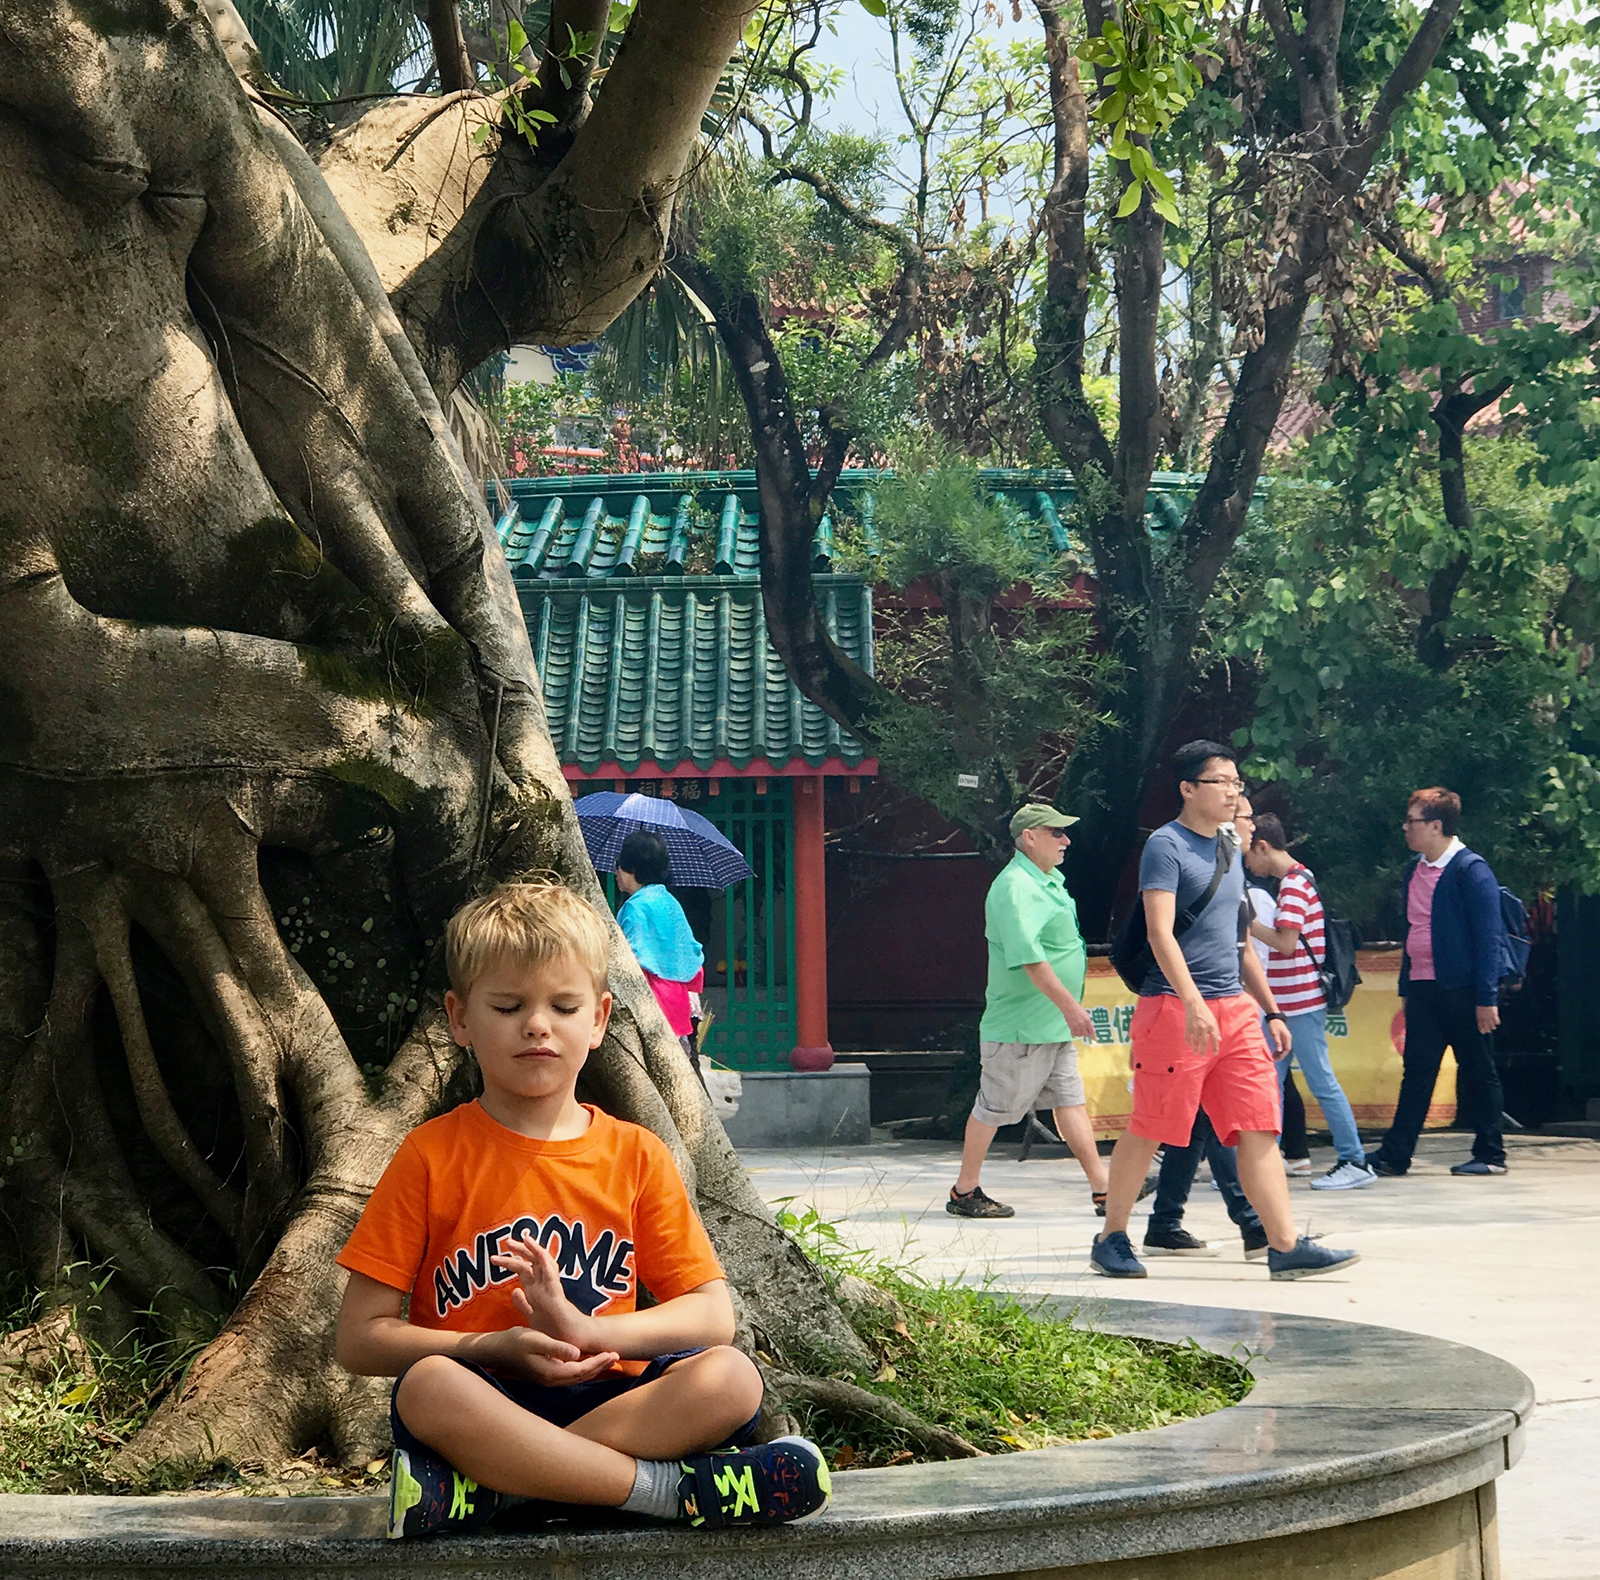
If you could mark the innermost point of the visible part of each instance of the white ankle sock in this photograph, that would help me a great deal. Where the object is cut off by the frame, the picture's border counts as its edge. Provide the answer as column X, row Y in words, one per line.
column 655, row 1489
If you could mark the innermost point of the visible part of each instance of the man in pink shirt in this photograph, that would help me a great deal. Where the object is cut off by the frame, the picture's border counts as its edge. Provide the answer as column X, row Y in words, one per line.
column 1450, row 970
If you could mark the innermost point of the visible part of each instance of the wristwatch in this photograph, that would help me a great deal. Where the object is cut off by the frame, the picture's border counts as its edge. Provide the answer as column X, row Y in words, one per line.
column 1276, row 1014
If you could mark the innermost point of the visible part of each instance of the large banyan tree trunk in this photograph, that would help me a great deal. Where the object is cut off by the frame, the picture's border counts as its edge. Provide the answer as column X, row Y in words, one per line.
column 267, row 715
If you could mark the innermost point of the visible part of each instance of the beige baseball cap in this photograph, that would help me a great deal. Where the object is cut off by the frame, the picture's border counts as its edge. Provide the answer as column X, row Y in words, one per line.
column 1039, row 814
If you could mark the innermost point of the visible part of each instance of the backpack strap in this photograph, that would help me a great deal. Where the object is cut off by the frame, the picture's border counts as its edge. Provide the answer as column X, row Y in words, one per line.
column 1224, row 862
column 1305, row 942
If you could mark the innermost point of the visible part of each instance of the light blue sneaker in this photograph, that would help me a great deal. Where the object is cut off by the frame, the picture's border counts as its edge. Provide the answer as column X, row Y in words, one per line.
column 1308, row 1259
column 1112, row 1257
column 1348, row 1175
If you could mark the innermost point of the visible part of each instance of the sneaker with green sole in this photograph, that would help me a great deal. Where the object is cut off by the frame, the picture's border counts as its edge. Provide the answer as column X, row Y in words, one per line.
column 771, row 1484
column 429, row 1497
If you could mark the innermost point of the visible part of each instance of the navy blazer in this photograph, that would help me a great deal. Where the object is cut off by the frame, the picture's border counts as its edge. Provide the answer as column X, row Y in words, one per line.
column 1469, row 947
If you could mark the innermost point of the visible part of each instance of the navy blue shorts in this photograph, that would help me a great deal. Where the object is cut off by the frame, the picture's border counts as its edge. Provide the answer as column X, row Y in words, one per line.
column 562, row 1406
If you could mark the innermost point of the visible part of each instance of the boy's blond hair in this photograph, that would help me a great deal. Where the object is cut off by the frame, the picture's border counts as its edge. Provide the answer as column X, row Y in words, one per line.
column 531, row 923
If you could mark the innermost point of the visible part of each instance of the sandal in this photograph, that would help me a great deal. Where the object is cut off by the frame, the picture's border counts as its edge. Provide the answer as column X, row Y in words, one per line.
column 1098, row 1197
column 974, row 1204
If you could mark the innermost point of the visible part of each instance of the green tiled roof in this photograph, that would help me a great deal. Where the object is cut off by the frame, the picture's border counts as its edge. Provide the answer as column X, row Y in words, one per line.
column 678, row 670
column 678, row 523
column 643, row 602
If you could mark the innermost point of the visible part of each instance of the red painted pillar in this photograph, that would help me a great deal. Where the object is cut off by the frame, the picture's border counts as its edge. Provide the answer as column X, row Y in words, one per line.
column 811, row 1051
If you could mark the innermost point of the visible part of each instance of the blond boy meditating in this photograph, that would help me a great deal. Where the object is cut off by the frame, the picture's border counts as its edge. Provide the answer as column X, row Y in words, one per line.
column 520, row 1227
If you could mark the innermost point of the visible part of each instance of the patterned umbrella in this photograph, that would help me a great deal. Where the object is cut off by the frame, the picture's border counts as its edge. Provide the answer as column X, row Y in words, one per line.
column 701, row 857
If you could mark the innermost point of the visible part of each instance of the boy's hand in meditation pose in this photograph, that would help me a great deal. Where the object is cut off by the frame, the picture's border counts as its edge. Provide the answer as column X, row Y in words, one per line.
column 542, row 1303
column 520, row 1227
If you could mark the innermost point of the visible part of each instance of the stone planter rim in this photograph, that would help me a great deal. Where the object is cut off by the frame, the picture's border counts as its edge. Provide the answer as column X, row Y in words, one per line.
column 1345, row 1422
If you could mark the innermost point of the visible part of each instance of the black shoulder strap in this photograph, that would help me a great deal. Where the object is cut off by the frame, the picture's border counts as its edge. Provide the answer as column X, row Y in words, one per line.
column 1192, row 915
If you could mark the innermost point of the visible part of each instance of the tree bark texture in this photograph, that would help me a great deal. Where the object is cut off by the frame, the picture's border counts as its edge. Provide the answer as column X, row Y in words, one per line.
column 267, row 715
column 1151, row 593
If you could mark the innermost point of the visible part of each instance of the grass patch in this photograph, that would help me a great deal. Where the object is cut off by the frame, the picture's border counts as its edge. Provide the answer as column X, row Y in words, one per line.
column 67, row 1404
column 1003, row 1373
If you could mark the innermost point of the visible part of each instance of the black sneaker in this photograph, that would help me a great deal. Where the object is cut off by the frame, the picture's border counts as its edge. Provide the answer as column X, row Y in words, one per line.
column 1255, row 1244
column 1478, row 1166
column 429, row 1497
column 1175, row 1242
column 770, row 1484
column 974, row 1204
column 1383, row 1168
column 1098, row 1197
column 1112, row 1257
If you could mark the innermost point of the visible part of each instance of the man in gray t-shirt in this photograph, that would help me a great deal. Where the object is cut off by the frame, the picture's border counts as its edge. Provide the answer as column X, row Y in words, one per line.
column 1181, row 862
column 1197, row 1030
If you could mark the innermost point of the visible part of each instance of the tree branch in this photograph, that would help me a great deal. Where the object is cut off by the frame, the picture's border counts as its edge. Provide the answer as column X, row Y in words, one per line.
column 901, row 240
column 792, row 503
column 563, row 79
column 1409, row 71
column 1064, row 410
column 1455, row 408
column 558, row 255
column 1288, row 42
column 449, row 47
column 1140, row 266
column 1394, row 243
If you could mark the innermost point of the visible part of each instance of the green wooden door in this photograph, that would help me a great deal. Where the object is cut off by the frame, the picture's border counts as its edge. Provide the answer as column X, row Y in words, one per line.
column 749, row 935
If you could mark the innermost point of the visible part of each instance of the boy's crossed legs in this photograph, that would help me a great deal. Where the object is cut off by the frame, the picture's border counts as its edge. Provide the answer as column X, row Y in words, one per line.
column 646, row 1446
column 698, row 1403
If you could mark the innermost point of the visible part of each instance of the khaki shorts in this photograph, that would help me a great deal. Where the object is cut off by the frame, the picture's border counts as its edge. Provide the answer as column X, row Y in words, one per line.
column 1019, row 1077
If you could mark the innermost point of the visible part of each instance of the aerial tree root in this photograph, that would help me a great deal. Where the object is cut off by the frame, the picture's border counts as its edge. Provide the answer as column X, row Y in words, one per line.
column 848, row 1402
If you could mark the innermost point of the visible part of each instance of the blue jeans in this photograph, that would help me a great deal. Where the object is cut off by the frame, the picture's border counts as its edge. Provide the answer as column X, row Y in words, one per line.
column 1309, row 1033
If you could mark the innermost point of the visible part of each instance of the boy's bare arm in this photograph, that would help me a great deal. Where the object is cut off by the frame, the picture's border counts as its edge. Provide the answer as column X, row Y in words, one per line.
column 696, row 1320
column 374, row 1340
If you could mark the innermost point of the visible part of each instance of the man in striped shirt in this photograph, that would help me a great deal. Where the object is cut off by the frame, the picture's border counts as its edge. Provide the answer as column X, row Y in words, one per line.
column 1296, row 947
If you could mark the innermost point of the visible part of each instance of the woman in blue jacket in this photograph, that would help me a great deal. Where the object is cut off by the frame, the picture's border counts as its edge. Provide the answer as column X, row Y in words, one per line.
column 659, row 934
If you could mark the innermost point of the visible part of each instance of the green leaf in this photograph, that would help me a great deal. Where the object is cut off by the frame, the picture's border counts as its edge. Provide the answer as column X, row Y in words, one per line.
column 1162, row 182
column 516, row 38
column 1167, row 210
column 1139, row 162
column 1130, row 199
column 879, row 8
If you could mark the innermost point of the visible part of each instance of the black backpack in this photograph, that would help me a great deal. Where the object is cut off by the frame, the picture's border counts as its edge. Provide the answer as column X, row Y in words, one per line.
column 1131, row 955
column 1336, row 970
column 1514, row 919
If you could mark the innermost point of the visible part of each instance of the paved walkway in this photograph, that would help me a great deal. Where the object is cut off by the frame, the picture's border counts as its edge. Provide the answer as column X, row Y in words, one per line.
column 1509, row 1265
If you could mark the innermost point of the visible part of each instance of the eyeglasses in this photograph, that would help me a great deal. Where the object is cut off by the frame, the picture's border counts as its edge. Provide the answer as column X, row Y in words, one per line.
column 1406, row 822
column 1227, row 784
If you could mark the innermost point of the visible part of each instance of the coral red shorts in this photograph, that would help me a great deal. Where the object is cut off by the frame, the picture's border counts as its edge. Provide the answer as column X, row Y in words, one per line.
column 1238, row 1084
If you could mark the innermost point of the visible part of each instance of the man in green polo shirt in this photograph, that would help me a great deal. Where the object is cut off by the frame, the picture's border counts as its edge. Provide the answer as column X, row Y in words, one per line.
column 1031, row 1010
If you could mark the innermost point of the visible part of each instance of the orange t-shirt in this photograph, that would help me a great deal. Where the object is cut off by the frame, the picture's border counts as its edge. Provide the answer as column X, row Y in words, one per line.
column 609, row 1206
